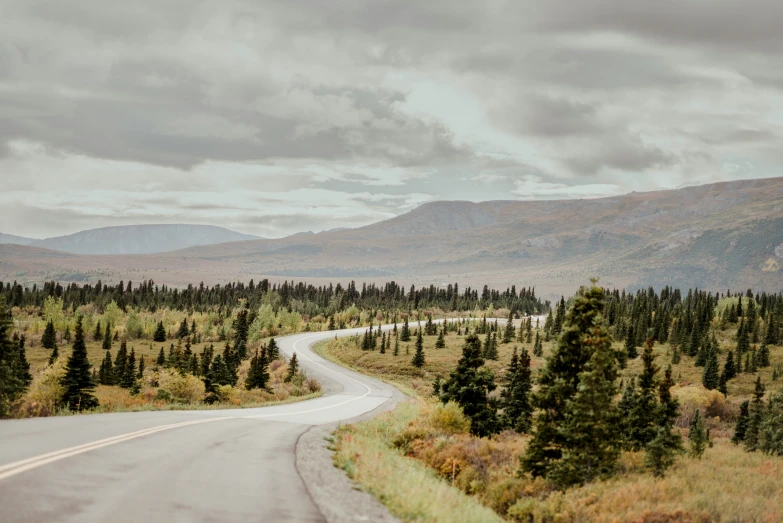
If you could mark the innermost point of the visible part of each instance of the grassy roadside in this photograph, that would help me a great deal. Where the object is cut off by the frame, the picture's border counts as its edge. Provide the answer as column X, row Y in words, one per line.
column 409, row 458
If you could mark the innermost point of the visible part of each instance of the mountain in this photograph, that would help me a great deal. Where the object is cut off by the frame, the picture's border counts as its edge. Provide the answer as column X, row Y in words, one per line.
column 712, row 236
column 18, row 240
column 134, row 239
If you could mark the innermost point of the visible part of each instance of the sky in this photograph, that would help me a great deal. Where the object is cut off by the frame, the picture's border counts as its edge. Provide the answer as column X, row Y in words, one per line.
column 274, row 117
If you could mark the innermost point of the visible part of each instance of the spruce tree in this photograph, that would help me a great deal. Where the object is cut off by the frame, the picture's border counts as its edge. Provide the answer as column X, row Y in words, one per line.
column 240, row 338
column 12, row 384
column 405, row 334
column 22, row 365
column 129, row 372
column 491, row 350
column 771, row 429
column 667, row 443
column 120, row 362
column 160, row 333
column 67, row 335
column 755, row 417
column 440, row 343
column 383, row 343
column 293, row 368
column 583, row 334
column 140, row 373
column 272, row 351
column 591, row 442
column 469, row 385
column 106, row 374
column 697, row 436
column 77, row 381
column 98, row 335
column 161, row 361
column 183, row 329
column 741, row 427
column 418, row 357
column 49, row 338
column 710, row 378
column 396, row 345
column 107, row 337
column 508, row 332
column 630, row 344
column 538, row 346
column 258, row 375
column 515, row 396
column 641, row 424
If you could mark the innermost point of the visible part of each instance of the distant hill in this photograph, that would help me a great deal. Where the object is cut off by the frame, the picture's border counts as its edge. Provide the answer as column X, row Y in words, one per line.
column 134, row 239
column 712, row 236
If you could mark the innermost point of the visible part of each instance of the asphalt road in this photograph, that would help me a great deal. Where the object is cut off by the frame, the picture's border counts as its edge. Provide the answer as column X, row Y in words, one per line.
column 214, row 465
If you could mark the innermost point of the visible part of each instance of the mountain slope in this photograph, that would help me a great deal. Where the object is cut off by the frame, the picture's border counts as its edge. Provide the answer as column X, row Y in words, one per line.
column 136, row 239
column 712, row 236
column 18, row 240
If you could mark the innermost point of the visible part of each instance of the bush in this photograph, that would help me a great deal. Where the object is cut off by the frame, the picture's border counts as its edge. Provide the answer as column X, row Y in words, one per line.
column 45, row 392
column 184, row 388
column 450, row 419
column 711, row 402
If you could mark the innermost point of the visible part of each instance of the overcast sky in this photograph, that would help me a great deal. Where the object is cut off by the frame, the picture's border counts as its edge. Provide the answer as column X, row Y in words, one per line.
column 272, row 117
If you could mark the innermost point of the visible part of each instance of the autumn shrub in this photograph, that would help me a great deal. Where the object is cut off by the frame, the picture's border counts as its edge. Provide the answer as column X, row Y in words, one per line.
column 45, row 392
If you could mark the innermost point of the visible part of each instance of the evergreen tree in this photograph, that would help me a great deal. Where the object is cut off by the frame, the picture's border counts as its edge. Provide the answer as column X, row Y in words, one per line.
column 729, row 369
column 331, row 325
column 54, row 355
column 469, row 385
column 107, row 337
column 440, row 343
column 396, row 346
column 491, row 350
column 741, row 427
column 405, row 335
column 12, row 384
column 418, row 357
column 77, row 381
column 771, row 429
column 710, row 377
column 508, row 332
column 140, row 374
column 240, row 339
column 556, row 399
column 667, row 443
column 763, row 356
column 161, row 361
column 641, row 425
column 67, row 335
column 129, row 372
column 106, row 374
column 272, row 351
column 515, row 396
column 538, row 346
column 591, row 442
column 98, row 335
column 383, row 343
column 49, row 338
column 293, row 368
column 697, row 436
column 160, row 333
column 755, row 417
column 258, row 375
column 630, row 344
column 23, row 367
column 183, row 331
column 120, row 361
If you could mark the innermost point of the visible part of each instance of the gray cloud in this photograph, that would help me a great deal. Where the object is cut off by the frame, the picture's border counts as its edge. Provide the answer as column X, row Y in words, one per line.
column 249, row 114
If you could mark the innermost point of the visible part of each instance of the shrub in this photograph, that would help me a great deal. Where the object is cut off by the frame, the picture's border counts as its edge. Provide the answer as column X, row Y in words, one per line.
column 187, row 388
column 449, row 418
column 45, row 392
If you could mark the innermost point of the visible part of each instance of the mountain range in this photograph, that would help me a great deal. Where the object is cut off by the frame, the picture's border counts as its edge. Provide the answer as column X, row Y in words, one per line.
column 133, row 239
column 717, row 236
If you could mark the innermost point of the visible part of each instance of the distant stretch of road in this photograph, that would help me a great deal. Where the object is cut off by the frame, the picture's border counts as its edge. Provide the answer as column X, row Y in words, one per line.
column 172, row 466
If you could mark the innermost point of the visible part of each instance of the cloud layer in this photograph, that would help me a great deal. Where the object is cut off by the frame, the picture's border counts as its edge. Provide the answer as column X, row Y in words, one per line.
column 274, row 117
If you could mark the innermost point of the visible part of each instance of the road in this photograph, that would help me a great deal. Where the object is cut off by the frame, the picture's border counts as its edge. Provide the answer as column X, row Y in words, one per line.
column 209, row 465
column 172, row 466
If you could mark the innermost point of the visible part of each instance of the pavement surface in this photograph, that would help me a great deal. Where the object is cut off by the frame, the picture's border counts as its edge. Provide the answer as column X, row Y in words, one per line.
column 183, row 466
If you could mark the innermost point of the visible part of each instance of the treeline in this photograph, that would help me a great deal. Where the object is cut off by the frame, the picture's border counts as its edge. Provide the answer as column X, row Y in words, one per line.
column 300, row 297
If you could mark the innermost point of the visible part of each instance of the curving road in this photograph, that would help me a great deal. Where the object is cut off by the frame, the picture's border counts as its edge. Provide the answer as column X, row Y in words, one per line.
column 209, row 465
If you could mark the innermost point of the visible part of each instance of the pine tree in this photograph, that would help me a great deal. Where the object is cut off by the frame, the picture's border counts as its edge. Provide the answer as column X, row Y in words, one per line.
column 491, row 350
column 559, row 397
column 405, row 335
column 418, row 357
column 440, row 343
column 641, row 423
column 710, row 378
column 140, row 374
column 183, row 329
column 67, row 335
column 630, row 344
column 331, row 325
column 77, row 381
column 741, row 427
column 49, row 338
column 667, row 443
column 538, row 346
column 469, row 385
column 293, row 368
column 12, row 384
column 272, row 351
column 697, row 436
column 106, row 374
column 383, row 343
column 515, row 396
column 240, row 339
column 129, row 372
column 98, row 335
column 160, row 333
column 508, row 332
column 755, row 417
column 161, row 361
column 258, row 375
column 396, row 346
column 107, row 337
column 23, row 367
column 770, row 432
column 120, row 361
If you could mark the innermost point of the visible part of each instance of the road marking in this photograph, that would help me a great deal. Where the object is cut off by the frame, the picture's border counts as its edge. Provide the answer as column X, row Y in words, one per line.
column 12, row 469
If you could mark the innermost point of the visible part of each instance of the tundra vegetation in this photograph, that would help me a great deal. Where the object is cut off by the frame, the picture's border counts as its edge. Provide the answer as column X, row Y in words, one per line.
column 646, row 406
column 102, row 348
